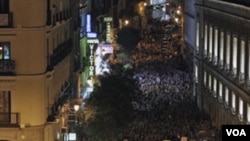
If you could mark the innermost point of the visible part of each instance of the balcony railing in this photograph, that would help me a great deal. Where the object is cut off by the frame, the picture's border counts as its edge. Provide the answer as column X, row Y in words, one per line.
column 60, row 53
column 9, row 119
column 6, row 20
column 7, row 67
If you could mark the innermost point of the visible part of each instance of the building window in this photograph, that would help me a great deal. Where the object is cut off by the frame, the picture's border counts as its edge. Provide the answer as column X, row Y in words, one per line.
column 215, row 87
column 221, row 48
column 235, row 46
column 242, row 56
column 4, row 6
column 233, row 103
column 241, row 103
column 4, row 51
column 210, row 81
column 220, row 89
column 248, row 113
column 205, row 78
column 4, row 101
column 249, row 61
column 228, row 51
column 196, row 73
column 215, row 46
column 210, row 43
column 226, row 97
column 205, row 42
column 197, row 36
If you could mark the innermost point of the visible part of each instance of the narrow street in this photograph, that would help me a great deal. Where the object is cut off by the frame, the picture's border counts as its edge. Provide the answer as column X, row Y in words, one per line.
column 167, row 110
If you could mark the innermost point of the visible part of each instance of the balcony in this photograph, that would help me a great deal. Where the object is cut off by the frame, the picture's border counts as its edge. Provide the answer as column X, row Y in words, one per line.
column 9, row 119
column 59, row 54
column 6, row 20
column 7, row 67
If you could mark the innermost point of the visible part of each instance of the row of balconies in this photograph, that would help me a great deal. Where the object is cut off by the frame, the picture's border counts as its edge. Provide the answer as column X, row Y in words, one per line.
column 228, row 107
column 59, row 54
column 239, row 77
column 6, row 19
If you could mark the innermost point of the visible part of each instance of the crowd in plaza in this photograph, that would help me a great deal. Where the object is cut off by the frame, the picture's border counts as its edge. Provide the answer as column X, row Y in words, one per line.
column 167, row 110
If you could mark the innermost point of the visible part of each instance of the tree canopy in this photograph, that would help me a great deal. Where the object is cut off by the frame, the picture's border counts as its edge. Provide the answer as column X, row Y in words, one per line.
column 128, row 38
column 111, row 107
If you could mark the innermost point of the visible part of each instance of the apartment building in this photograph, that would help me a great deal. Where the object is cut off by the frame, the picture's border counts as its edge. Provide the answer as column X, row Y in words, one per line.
column 39, row 67
column 217, row 32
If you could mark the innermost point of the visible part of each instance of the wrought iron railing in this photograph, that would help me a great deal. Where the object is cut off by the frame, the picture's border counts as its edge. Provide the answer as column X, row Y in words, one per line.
column 9, row 119
column 7, row 67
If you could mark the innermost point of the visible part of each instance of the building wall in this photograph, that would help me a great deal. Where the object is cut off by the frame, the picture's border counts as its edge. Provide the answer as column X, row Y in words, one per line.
column 43, row 41
column 221, row 51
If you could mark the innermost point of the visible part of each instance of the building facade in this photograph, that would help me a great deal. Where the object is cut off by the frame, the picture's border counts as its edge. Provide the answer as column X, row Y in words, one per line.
column 217, row 32
column 39, row 59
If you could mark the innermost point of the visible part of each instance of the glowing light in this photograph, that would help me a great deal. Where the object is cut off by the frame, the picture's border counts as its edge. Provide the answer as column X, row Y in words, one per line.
column 126, row 22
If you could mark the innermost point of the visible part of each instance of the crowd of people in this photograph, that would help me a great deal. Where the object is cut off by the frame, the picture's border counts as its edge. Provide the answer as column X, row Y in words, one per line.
column 167, row 110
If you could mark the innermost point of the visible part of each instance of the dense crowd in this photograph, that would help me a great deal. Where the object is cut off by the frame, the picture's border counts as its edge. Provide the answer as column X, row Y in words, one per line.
column 167, row 109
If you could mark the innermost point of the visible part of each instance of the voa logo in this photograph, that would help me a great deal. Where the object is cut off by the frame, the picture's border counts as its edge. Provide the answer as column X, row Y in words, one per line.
column 236, row 132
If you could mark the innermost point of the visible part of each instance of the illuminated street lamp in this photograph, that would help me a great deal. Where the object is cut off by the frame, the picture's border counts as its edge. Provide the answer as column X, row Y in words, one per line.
column 126, row 22
column 73, row 108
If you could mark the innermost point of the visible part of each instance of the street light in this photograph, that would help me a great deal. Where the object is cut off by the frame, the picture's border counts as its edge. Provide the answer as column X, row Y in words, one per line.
column 73, row 108
column 126, row 22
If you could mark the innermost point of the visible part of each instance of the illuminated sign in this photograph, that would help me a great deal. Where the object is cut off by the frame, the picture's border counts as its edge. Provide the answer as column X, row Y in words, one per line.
column 91, row 35
column 108, row 20
column 91, row 45
column 72, row 136
column 92, row 41
column 107, row 49
column 88, row 24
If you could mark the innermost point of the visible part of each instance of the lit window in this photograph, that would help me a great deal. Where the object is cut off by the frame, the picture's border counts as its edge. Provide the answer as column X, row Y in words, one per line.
column 215, row 45
column 4, row 51
column 248, row 112
column 233, row 100
column 228, row 50
column 197, row 36
column 209, row 81
column 196, row 73
column 235, row 41
column 221, row 47
column 205, row 41
column 240, row 106
column 205, row 78
column 220, row 89
column 226, row 94
column 242, row 56
column 210, row 41
column 215, row 85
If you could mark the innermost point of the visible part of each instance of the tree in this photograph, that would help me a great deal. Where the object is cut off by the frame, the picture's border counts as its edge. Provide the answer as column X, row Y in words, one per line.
column 111, row 108
column 128, row 38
